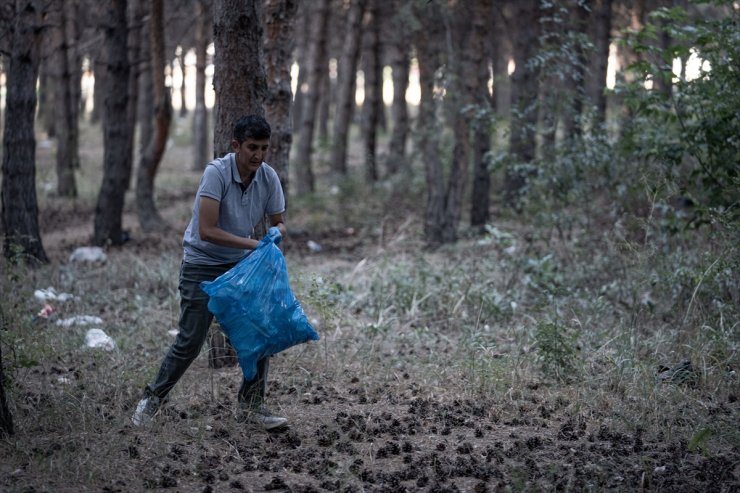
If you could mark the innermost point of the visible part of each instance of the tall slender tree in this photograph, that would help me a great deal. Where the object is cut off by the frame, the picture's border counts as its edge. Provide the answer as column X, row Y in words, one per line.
column 480, row 74
column 149, row 217
column 317, row 64
column 116, row 130
column 303, row 36
column 279, row 42
column 200, row 114
column 399, row 52
column 239, row 75
column 373, row 104
column 346, row 85
column 525, row 19
column 6, row 418
column 63, row 76
column 428, row 50
column 596, row 76
column 19, row 201
column 241, row 88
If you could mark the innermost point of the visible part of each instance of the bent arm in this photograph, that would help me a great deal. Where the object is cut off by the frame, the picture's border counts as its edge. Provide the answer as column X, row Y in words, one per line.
column 278, row 220
column 210, row 232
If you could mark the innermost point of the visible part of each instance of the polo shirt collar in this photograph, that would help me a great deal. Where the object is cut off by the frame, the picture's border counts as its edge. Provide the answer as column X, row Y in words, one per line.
column 235, row 171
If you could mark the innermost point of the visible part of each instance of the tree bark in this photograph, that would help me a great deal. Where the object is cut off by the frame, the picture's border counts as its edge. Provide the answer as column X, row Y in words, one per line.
column 400, row 68
column 239, row 78
column 116, row 131
column 480, row 74
column 65, row 114
column 372, row 106
column 596, row 76
column 241, row 88
column 183, row 86
column 200, row 116
column 303, row 37
column 149, row 218
column 136, row 52
column 524, row 85
column 6, row 418
column 100, row 71
column 427, row 53
column 501, row 53
column 346, row 86
column 579, row 15
column 326, row 97
column 279, row 41
column 19, row 202
column 45, row 112
column 317, row 65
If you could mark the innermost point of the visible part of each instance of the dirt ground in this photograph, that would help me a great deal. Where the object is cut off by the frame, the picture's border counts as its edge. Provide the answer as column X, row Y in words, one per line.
column 366, row 421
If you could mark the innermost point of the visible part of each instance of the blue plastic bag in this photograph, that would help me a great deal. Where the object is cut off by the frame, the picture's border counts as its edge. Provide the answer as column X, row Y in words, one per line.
column 256, row 308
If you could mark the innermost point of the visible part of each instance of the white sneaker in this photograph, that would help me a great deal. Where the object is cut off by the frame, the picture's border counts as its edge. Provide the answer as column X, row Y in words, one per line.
column 145, row 410
column 263, row 417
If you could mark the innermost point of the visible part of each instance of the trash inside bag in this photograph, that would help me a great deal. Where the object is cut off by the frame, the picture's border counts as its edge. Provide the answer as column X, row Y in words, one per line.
column 256, row 308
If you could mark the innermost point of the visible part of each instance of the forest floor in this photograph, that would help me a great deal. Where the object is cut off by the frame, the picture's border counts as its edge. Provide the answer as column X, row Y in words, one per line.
column 416, row 384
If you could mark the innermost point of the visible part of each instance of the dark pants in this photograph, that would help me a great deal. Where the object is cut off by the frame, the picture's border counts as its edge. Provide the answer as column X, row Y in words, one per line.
column 195, row 319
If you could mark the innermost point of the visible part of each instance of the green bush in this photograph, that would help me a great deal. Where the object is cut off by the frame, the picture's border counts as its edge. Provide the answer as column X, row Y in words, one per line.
column 691, row 131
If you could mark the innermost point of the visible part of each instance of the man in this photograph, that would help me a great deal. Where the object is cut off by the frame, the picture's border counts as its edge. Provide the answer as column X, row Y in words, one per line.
column 235, row 193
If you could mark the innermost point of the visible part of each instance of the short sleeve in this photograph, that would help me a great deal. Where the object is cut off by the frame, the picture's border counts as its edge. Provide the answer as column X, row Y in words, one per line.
column 211, row 184
column 276, row 199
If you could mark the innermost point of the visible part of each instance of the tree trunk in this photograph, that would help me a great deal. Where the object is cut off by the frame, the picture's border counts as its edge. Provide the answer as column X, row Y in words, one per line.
column 480, row 73
column 371, row 107
column 427, row 53
column 200, row 117
column 279, row 41
column 325, row 103
column 465, row 28
column 137, row 12
column 73, row 35
column 46, row 112
column 183, row 86
column 317, row 65
column 239, row 78
column 596, row 76
column 64, row 108
column 501, row 54
column 579, row 20
column 346, row 86
column 116, row 131
column 149, row 218
column 241, row 88
column 524, row 84
column 100, row 71
column 303, row 36
column 400, row 66
column 19, row 203
column 145, row 103
column 6, row 418
column 2, row 87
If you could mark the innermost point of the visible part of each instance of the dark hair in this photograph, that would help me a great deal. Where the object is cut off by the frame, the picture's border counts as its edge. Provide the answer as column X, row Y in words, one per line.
column 251, row 127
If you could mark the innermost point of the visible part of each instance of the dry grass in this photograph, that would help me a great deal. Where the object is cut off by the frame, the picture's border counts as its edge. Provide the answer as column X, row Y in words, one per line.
column 522, row 360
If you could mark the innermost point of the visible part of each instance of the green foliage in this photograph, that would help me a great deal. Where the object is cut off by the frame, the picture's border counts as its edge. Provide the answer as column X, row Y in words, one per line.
column 691, row 132
column 698, row 442
column 557, row 349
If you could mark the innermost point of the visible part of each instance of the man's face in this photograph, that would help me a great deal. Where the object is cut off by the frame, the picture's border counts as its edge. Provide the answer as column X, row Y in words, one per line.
column 250, row 154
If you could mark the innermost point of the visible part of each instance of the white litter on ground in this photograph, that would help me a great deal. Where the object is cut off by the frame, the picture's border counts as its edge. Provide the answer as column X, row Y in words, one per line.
column 96, row 338
column 88, row 254
column 173, row 332
column 51, row 294
column 313, row 246
column 80, row 320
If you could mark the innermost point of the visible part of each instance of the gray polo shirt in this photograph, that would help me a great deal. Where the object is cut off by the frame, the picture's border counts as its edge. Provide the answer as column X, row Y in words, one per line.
column 239, row 211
